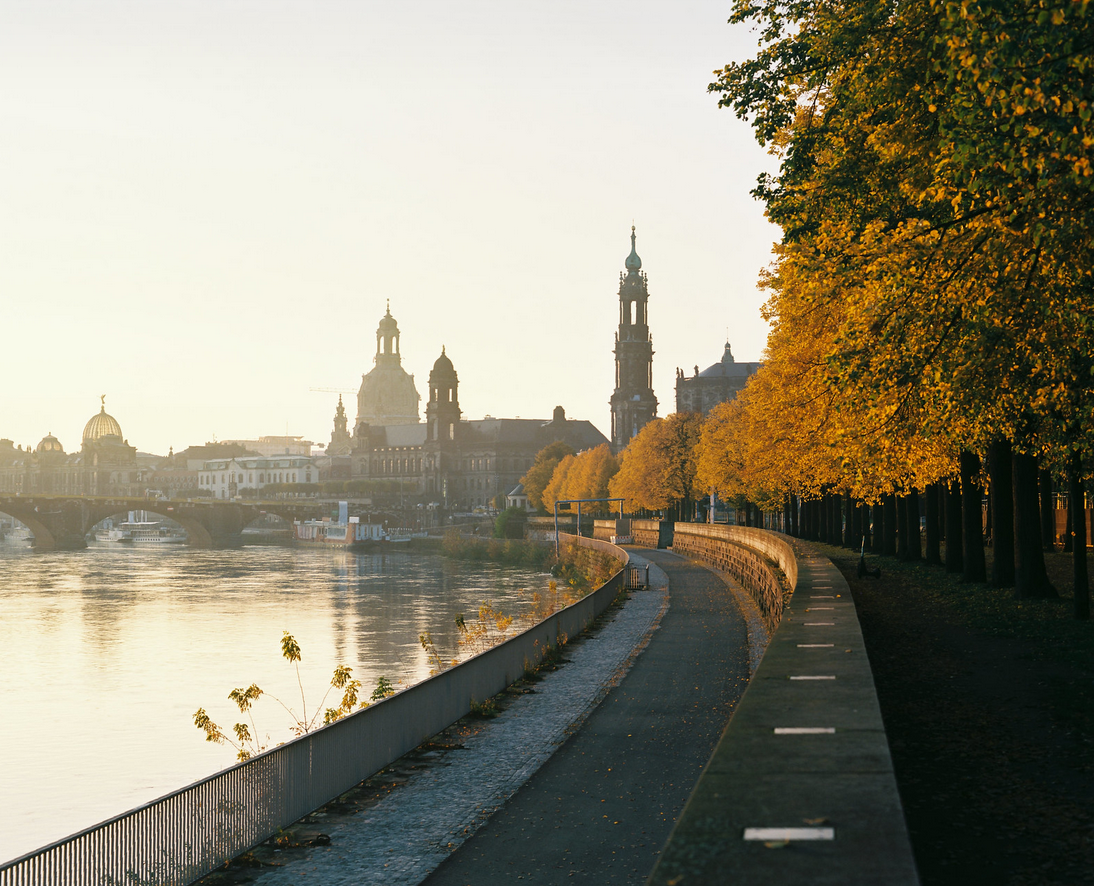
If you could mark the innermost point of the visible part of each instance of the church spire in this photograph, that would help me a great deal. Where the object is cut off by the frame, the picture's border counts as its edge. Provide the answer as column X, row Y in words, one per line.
column 633, row 402
column 634, row 263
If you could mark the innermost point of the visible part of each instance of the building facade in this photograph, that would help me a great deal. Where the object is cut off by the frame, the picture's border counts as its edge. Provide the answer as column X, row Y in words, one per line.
column 633, row 402
column 447, row 459
column 247, row 477
column 718, row 383
column 105, row 465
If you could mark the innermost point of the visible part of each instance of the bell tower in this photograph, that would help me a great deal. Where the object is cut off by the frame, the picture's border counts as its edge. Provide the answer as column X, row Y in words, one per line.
column 442, row 413
column 442, row 420
column 633, row 402
column 340, row 441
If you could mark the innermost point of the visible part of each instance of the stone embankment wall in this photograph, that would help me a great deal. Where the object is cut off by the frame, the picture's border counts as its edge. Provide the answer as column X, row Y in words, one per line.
column 803, row 766
column 762, row 562
column 652, row 533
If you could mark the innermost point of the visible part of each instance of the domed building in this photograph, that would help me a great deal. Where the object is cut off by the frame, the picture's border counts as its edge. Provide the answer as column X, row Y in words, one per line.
column 50, row 447
column 108, row 462
column 101, row 425
column 105, row 465
column 387, row 395
column 447, row 460
column 718, row 383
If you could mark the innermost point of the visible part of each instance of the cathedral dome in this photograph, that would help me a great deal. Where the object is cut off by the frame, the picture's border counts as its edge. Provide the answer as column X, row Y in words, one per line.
column 50, row 444
column 387, row 395
column 388, row 326
column 102, row 425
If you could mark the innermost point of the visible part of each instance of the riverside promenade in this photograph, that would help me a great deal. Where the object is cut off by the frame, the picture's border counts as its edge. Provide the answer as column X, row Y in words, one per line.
column 580, row 781
column 601, row 809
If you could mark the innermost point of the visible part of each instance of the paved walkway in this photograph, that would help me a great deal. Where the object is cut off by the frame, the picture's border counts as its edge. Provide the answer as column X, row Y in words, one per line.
column 533, row 797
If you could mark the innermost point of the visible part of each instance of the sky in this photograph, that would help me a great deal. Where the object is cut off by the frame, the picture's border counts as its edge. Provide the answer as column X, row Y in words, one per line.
column 205, row 207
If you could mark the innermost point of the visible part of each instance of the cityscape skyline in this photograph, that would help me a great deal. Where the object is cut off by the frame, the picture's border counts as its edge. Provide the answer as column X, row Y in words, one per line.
column 207, row 207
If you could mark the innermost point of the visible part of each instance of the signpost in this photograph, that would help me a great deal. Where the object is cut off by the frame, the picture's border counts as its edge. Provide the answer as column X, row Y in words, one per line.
column 579, row 502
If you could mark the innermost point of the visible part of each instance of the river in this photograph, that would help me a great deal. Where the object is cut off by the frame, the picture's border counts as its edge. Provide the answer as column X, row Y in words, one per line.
column 108, row 652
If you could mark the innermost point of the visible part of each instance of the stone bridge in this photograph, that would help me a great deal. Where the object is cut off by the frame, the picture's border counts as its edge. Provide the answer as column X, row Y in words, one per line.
column 61, row 522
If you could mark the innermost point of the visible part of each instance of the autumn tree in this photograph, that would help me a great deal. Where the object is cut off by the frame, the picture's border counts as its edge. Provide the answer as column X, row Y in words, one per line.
column 556, row 486
column 934, row 193
column 585, row 476
column 657, row 469
column 543, row 468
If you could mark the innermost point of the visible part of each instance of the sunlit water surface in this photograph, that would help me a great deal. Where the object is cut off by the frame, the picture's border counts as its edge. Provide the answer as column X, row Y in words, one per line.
column 105, row 655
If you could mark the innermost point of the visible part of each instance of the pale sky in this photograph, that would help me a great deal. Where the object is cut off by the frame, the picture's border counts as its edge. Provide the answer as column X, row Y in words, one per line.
column 205, row 206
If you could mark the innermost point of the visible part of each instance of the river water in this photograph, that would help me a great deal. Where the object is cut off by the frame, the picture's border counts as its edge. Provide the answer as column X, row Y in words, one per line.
column 105, row 655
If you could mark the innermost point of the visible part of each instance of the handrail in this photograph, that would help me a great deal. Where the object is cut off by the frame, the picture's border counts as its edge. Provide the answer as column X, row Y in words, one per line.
column 188, row 833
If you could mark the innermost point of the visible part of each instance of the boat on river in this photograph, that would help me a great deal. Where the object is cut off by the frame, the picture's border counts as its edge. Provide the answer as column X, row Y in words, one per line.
column 143, row 532
column 353, row 534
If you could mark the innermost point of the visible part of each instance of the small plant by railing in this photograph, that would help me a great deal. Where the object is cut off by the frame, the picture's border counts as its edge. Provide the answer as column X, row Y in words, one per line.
column 247, row 742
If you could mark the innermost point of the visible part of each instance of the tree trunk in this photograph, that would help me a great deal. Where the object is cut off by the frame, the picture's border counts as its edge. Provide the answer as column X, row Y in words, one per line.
column 1048, row 516
column 954, row 560
column 1030, row 577
column 849, row 526
column 856, row 526
column 972, row 519
column 877, row 541
column 1002, row 518
column 915, row 546
column 901, row 528
column 889, row 543
column 786, row 513
column 1069, row 529
column 934, row 553
column 1077, row 511
column 795, row 528
column 836, row 526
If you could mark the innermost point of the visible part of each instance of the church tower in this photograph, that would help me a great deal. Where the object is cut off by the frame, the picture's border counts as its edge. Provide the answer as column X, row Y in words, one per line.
column 442, row 419
column 340, row 441
column 633, row 402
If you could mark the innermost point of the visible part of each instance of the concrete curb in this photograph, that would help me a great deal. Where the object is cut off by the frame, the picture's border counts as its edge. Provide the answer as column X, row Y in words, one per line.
column 800, row 788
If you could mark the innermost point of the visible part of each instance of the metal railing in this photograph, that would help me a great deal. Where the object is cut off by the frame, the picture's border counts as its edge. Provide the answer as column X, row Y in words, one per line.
column 189, row 833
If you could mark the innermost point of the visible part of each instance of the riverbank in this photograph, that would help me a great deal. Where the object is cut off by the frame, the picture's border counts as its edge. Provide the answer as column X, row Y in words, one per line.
column 401, row 823
column 988, row 703
column 110, row 651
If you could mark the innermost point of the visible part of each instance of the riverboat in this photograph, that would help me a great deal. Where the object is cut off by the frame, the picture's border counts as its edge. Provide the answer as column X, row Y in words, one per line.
column 403, row 535
column 355, row 535
column 143, row 532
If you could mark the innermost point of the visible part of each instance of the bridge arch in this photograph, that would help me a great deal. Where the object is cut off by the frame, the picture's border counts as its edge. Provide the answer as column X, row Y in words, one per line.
column 43, row 539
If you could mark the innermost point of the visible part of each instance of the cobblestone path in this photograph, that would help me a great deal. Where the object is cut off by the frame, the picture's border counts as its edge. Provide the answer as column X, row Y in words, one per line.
column 413, row 830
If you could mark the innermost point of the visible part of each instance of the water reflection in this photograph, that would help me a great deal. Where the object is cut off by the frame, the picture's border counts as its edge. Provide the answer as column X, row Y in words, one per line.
column 108, row 652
